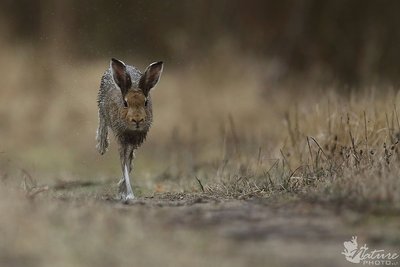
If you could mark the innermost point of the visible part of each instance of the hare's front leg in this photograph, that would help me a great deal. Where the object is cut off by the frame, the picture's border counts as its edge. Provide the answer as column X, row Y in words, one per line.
column 102, row 136
column 125, row 188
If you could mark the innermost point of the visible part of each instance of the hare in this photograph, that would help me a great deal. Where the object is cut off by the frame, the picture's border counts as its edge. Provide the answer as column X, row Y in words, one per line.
column 125, row 106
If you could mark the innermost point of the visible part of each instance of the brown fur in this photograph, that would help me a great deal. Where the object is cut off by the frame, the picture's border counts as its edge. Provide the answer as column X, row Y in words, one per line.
column 135, row 111
column 125, row 106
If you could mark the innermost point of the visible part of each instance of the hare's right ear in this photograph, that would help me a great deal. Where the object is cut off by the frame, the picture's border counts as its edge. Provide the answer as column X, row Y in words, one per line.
column 120, row 75
column 150, row 77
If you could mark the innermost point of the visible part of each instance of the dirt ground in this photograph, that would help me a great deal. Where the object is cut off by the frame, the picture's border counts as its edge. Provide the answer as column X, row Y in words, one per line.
column 63, row 228
column 264, row 232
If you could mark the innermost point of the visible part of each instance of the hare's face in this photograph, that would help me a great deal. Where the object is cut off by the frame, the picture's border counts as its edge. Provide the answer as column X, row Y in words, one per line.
column 135, row 110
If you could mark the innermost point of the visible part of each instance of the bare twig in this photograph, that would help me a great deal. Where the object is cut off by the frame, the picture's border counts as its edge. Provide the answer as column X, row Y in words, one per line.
column 200, row 184
column 259, row 157
column 366, row 137
column 320, row 148
column 389, row 129
column 309, row 149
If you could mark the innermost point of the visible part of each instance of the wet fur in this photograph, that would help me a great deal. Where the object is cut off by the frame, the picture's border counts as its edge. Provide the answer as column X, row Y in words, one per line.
column 123, row 119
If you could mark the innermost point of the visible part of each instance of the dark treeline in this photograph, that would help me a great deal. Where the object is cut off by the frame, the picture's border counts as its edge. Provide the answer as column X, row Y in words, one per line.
column 353, row 40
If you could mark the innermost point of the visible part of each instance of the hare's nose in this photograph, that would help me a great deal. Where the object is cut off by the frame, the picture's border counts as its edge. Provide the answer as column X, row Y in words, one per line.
column 137, row 121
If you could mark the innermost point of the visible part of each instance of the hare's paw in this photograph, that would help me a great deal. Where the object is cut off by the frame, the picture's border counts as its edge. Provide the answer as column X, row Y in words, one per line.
column 124, row 194
column 125, row 198
column 102, row 146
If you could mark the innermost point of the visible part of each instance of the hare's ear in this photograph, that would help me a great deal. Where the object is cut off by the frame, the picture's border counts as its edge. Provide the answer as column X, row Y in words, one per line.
column 150, row 77
column 120, row 75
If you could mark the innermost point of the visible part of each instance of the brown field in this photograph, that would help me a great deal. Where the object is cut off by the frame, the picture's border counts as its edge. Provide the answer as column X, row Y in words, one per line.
column 237, row 170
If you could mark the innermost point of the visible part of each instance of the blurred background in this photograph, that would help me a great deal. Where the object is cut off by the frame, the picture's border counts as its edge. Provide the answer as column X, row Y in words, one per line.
column 228, row 65
column 351, row 41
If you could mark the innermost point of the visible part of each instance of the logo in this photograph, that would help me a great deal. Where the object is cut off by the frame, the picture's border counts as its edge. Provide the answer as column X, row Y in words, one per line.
column 365, row 256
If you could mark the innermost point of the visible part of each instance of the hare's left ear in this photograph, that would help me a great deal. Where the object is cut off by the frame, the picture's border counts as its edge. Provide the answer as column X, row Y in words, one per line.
column 150, row 77
column 120, row 75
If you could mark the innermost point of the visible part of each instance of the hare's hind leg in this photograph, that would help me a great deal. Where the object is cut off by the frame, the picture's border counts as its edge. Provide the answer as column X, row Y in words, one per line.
column 102, row 136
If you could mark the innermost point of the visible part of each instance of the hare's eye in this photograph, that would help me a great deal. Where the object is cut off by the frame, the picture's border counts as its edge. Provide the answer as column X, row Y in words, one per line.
column 145, row 102
column 125, row 104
